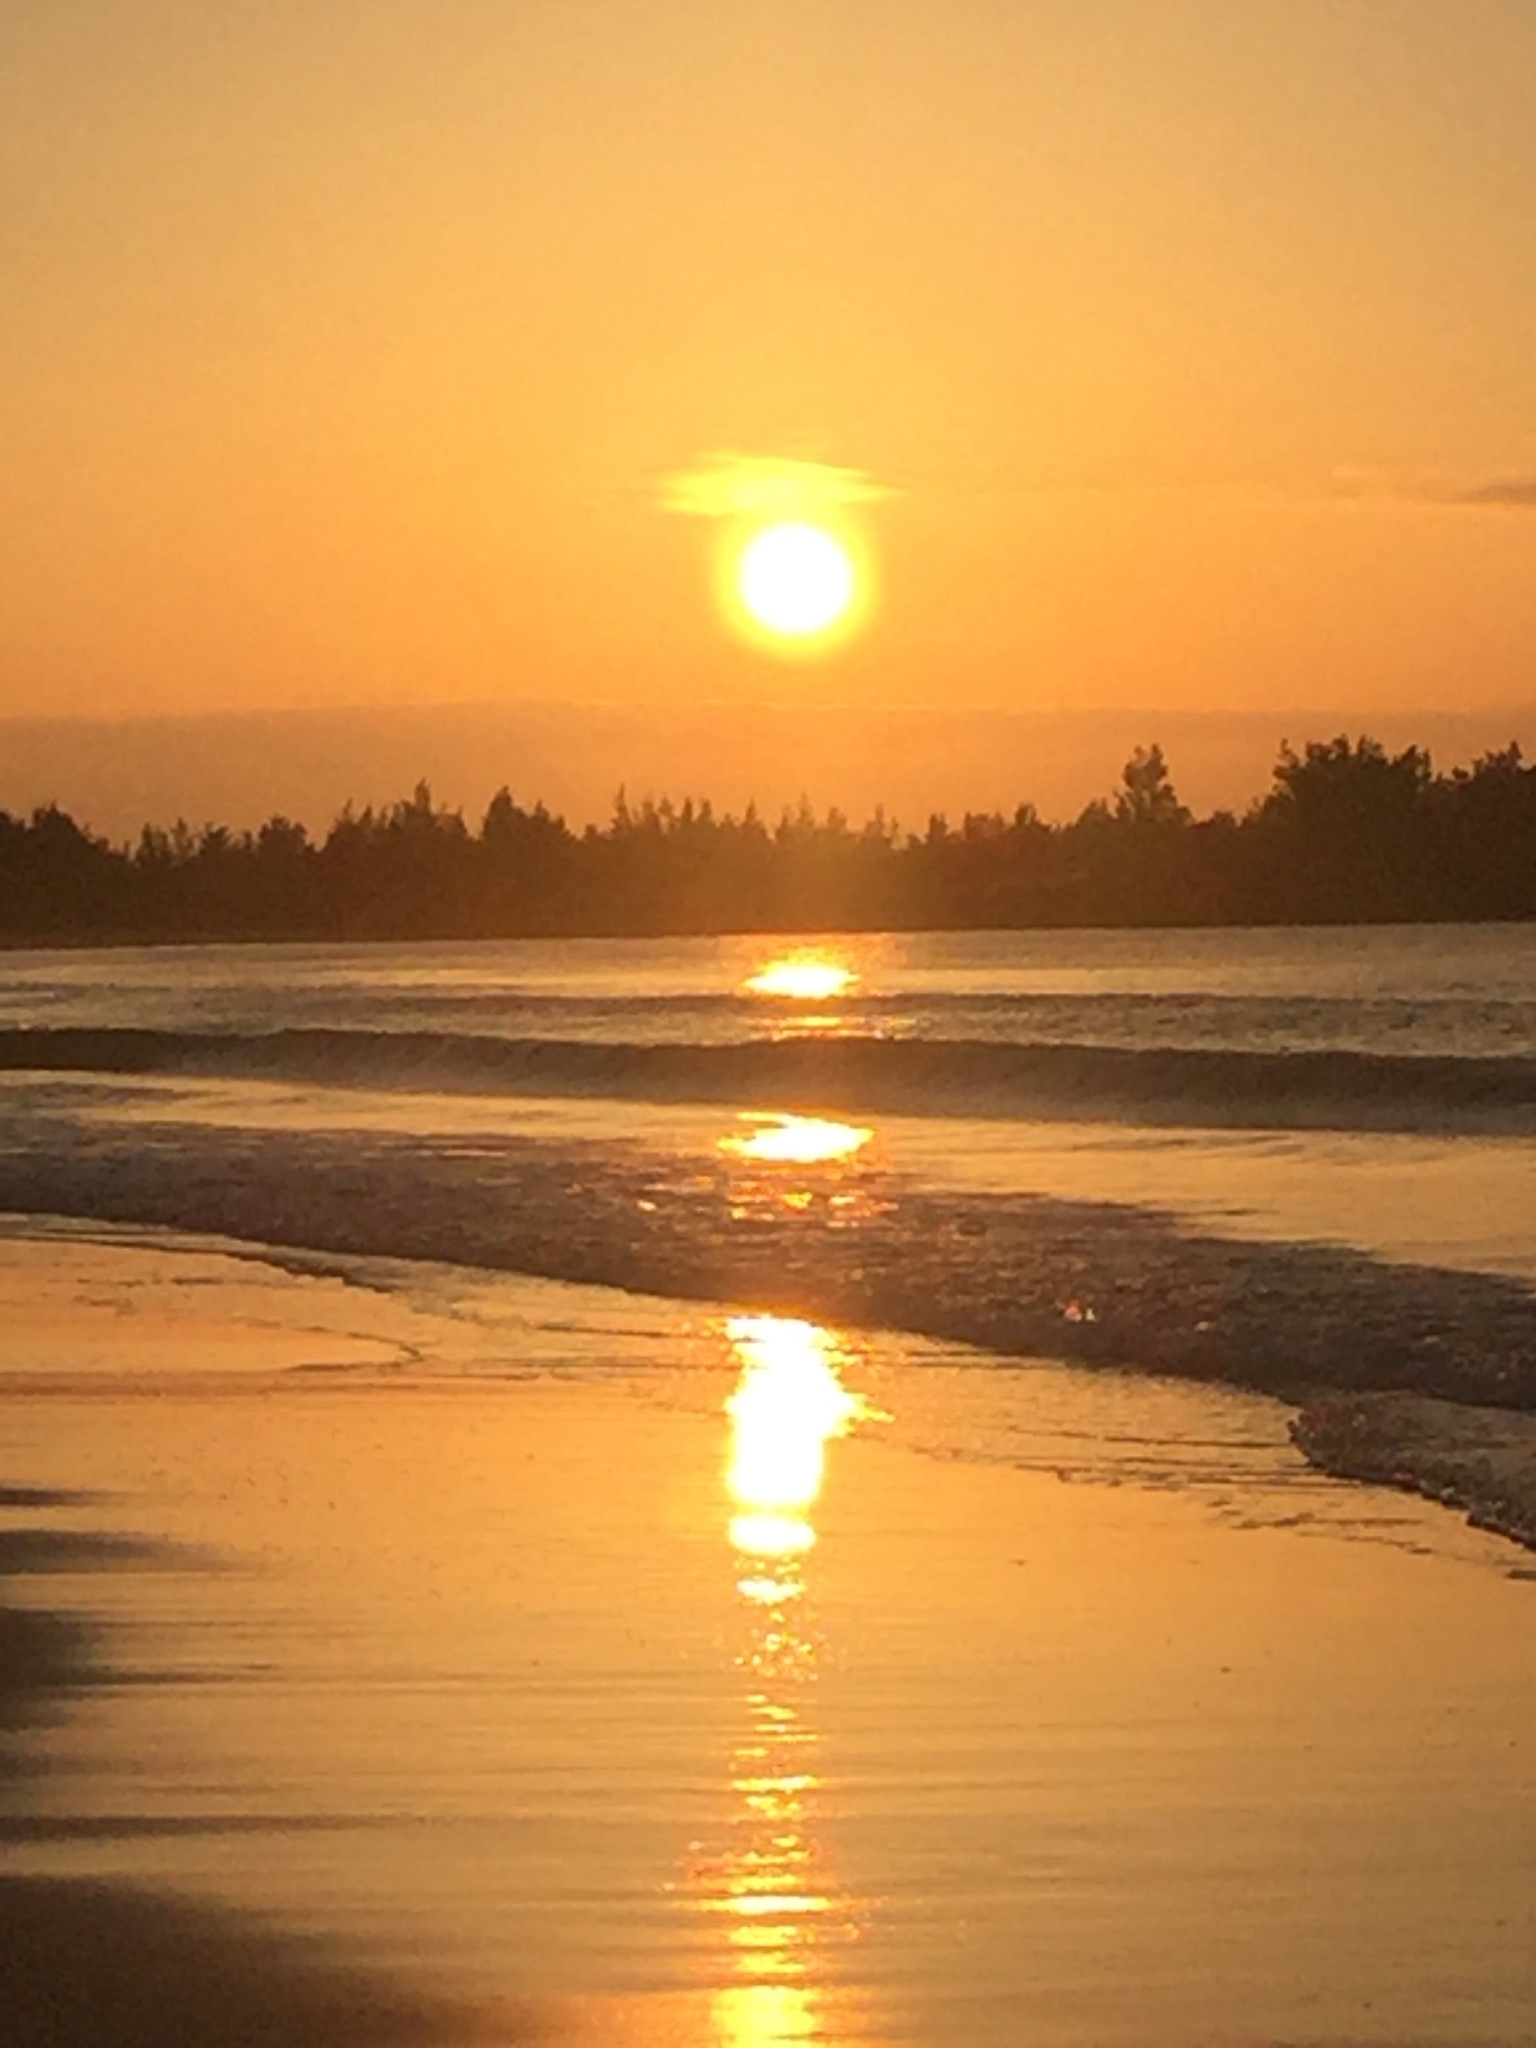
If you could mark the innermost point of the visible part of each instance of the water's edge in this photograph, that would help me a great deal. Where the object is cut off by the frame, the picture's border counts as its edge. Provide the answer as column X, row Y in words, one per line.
column 1479, row 1460
column 1017, row 1275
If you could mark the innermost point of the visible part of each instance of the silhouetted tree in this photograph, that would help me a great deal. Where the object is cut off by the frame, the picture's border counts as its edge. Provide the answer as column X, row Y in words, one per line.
column 1346, row 832
column 1146, row 795
column 1349, row 833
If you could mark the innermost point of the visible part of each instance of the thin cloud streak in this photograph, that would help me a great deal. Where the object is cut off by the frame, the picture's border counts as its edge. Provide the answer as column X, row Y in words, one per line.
column 730, row 485
column 1515, row 493
column 1433, row 487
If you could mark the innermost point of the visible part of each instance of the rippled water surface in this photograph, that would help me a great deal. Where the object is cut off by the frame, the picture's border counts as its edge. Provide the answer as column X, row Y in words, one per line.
column 1455, row 990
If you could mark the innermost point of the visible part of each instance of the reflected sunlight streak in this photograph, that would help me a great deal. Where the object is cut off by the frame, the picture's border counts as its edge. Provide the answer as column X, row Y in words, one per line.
column 779, row 1138
column 802, row 977
column 786, row 1406
column 771, row 1886
column 760, row 2015
column 771, row 1536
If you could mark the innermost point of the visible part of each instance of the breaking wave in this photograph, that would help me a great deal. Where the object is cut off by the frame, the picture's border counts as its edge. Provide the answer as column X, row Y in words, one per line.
column 1319, row 1089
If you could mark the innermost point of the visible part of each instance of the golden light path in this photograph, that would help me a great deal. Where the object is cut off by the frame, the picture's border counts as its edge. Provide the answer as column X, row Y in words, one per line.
column 765, row 2016
column 773, row 1886
column 802, row 977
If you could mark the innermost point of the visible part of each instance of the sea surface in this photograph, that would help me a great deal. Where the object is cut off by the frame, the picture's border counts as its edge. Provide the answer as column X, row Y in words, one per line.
column 1372, row 1088
column 1276, row 1159
column 746, row 1476
column 1466, row 991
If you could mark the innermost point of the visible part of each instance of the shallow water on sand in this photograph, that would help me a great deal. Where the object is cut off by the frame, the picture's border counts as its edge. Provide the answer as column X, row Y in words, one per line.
column 460, row 1651
column 1437, row 1200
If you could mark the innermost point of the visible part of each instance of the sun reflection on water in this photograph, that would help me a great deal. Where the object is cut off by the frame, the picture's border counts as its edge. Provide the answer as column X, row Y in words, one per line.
column 772, row 1887
column 803, row 977
column 788, row 1403
column 760, row 2015
column 784, row 1165
column 775, row 1137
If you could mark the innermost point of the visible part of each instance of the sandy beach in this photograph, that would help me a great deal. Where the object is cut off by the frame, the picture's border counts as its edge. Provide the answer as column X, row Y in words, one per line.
column 437, row 1696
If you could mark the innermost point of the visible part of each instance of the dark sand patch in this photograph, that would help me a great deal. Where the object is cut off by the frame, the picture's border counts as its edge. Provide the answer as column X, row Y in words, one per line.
column 81, row 1550
column 42, row 1657
column 86, row 1965
column 41, row 1497
column 92, row 1965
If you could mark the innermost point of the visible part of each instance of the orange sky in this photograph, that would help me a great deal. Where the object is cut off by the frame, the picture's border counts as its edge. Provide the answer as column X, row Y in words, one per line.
column 347, row 346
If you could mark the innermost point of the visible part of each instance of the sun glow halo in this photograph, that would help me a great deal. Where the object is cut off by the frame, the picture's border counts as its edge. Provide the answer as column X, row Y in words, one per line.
column 796, row 581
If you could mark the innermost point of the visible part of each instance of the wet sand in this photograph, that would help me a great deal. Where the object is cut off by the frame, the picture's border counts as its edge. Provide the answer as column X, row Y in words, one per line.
column 437, row 1695
column 88, row 1964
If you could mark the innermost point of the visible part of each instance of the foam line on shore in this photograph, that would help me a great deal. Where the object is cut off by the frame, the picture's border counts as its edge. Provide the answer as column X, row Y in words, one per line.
column 1480, row 1460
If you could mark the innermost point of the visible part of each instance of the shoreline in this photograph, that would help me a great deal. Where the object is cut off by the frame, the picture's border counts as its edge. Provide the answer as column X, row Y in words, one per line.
column 1480, row 1462
column 1017, row 1275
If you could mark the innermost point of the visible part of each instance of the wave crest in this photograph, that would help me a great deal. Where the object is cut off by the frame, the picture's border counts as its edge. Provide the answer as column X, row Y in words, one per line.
column 1331, row 1089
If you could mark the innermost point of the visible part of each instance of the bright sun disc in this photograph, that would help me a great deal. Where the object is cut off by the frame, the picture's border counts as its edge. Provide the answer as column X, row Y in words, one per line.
column 796, row 579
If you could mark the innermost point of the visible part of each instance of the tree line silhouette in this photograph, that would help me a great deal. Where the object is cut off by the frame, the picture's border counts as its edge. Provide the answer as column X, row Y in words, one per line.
column 1347, row 833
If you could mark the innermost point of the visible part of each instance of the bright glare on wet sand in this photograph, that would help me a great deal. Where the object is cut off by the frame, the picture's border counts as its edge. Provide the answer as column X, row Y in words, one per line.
column 512, row 1699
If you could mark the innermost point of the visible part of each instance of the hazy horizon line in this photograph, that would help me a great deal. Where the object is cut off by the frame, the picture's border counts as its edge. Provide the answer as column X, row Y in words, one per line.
column 1247, row 714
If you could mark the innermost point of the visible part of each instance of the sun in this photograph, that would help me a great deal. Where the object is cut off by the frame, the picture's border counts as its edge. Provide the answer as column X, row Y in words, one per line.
column 796, row 581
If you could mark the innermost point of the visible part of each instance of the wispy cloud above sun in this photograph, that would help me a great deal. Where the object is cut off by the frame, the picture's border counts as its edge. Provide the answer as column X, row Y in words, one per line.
column 730, row 485
column 1512, row 493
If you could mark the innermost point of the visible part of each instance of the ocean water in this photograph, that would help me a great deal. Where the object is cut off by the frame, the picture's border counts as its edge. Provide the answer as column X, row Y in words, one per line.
column 1457, row 991
column 979, row 1698
column 1371, row 1088
column 1278, row 1157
